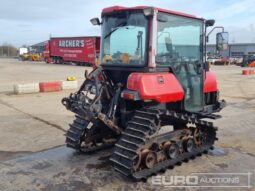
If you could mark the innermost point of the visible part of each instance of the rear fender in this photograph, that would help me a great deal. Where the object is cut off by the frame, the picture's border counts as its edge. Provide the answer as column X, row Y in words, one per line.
column 210, row 83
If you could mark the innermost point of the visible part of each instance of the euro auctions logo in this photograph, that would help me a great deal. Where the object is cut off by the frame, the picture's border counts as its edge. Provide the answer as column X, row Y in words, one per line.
column 222, row 180
column 175, row 180
column 71, row 43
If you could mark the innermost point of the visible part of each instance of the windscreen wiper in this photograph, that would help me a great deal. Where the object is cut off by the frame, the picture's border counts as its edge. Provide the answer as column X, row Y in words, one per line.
column 116, row 28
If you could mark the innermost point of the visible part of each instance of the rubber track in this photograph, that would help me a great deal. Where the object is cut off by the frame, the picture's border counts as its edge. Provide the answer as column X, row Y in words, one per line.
column 76, row 133
column 144, row 123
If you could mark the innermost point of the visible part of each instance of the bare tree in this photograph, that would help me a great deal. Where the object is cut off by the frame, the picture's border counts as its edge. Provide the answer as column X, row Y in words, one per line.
column 8, row 50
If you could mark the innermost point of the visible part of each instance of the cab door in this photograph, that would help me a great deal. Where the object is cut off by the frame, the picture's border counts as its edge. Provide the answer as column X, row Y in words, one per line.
column 190, row 76
column 180, row 47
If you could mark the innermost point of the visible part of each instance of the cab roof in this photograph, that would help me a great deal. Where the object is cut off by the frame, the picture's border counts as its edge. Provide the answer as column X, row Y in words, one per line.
column 120, row 8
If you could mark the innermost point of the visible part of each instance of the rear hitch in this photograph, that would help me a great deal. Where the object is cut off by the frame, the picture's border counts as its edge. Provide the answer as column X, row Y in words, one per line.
column 86, row 102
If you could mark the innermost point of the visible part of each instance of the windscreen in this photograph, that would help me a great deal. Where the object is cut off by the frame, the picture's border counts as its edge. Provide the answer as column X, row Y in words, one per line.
column 124, row 39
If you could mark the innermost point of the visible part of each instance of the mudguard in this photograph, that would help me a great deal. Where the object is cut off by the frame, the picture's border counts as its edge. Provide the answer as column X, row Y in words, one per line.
column 210, row 84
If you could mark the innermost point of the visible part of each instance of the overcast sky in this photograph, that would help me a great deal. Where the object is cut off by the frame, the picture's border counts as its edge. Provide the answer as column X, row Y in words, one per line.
column 32, row 21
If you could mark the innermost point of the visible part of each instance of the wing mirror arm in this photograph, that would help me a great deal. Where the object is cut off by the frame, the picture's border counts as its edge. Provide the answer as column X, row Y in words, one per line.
column 217, row 27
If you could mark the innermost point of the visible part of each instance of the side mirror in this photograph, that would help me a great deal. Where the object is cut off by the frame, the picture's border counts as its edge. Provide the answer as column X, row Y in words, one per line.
column 95, row 21
column 222, row 41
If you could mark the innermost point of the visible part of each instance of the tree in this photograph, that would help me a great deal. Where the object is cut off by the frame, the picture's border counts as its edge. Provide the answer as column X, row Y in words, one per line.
column 8, row 50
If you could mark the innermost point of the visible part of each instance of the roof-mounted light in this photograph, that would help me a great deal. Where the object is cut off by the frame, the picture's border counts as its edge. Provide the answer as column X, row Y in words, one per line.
column 148, row 11
column 209, row 23
column 95, row 21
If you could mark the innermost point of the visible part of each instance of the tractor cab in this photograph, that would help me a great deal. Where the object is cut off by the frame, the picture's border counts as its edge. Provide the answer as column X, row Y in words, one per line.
column 146, row 39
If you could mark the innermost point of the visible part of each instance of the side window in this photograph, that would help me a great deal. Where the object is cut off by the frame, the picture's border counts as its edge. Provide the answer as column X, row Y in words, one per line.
column 179, row 42
column 164, row 43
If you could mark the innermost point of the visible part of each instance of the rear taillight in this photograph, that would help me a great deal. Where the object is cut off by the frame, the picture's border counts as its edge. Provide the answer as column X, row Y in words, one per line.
column 128, row 95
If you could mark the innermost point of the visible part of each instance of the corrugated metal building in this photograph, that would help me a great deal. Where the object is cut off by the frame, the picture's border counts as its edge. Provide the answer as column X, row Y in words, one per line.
column 38, row 48
column 235, row 50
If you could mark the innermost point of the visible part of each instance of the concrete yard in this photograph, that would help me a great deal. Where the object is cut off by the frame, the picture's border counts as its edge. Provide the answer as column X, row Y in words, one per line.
column 32, row 128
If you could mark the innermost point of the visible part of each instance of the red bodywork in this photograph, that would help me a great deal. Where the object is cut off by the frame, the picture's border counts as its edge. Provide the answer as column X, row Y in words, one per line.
column 73, row 49
column 120, row 8
column 164, row 86
column 210, row 83
column 46, row 52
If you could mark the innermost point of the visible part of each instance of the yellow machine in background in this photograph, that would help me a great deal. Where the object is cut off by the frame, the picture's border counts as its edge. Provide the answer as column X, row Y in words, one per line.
column 24, row 56
column 31, row 57
column 28, row 54
column 36, row 57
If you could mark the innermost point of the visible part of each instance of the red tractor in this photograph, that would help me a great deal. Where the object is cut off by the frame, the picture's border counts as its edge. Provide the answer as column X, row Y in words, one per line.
column 151, row 93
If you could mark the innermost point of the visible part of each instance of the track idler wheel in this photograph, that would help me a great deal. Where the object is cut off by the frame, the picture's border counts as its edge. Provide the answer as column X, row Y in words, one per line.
column 150, row 158
column 189, row 145
column 137, row 161
column 173, row 151
column 197, row 137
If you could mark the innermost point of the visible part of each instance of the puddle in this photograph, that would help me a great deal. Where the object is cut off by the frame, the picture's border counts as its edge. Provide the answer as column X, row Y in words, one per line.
column 41, row 165
column 250, row 154
column 104, row 165
column 20, row 172
column 104, row 157
column 7, row 155
column 76, row 170
column 60, row 174
column 218, row 152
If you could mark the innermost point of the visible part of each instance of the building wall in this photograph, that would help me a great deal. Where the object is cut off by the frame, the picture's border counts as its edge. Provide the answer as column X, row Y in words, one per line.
column 38, row 48
column 235, row 50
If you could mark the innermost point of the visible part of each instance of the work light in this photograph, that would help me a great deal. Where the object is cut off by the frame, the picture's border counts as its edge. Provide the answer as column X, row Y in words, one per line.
column 95, row 21
column 148, row 11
